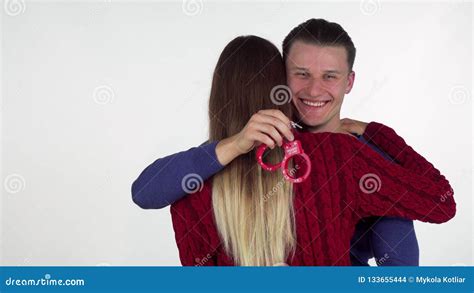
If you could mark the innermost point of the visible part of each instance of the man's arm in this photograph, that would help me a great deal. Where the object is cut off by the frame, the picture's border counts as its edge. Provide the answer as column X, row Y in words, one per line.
column 392, row 240
column 413, row 188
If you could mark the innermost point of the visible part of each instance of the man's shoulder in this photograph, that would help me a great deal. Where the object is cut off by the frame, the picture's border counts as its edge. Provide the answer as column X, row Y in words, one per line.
column 374, row 147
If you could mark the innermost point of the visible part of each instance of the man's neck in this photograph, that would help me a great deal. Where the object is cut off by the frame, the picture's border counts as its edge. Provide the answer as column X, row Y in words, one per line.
column 334, row 125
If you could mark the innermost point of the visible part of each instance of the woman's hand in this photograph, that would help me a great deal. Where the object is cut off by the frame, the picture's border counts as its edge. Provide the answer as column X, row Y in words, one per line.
column 353, row 126
column 266, row 126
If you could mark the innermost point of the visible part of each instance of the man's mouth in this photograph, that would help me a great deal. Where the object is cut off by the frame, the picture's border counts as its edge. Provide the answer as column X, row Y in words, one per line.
column 315, row 104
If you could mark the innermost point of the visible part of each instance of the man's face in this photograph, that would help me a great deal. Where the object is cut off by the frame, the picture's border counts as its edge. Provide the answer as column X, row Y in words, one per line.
column 319, row 77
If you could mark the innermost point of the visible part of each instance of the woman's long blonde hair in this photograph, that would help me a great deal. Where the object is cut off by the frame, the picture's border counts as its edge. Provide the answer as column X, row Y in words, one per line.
column 253, row 208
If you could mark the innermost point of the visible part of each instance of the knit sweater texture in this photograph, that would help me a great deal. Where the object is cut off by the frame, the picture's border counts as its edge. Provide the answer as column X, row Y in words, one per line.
column 349, row 181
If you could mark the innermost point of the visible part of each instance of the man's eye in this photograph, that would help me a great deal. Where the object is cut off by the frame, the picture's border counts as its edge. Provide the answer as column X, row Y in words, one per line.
column 301, row 73
column 330, row 77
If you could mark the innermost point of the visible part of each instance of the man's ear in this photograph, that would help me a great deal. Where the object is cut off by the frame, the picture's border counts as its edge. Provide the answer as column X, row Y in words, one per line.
column 350, row 84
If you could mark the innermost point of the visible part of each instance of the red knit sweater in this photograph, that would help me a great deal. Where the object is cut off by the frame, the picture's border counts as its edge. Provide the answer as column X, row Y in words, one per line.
column 332, row 200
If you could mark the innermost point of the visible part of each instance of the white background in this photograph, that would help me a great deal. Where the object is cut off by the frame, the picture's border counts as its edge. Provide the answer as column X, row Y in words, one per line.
column 93, row 92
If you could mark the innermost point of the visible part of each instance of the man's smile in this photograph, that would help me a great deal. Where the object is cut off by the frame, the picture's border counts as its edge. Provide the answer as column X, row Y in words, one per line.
column 314, row 105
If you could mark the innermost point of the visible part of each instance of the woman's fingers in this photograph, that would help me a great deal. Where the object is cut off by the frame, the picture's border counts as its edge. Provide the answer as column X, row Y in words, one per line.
column 277, row 114
column 353, row 126
column 267, row 127
column 269, row 130
column 347, row 125
column 261, row 138
column 277, row 119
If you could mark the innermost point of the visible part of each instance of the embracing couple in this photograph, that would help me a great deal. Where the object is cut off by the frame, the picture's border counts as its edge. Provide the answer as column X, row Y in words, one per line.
column 365, row 188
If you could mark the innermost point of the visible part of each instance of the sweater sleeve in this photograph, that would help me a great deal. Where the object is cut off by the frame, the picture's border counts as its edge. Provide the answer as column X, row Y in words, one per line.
column 161, row 183
column 412, row 189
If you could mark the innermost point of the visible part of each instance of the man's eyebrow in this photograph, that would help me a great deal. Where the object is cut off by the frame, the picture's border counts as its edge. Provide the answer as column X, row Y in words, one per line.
column 332, row 71
column 299, row 68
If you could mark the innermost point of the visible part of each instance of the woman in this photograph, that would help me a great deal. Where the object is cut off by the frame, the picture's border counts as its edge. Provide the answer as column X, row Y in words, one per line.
column 246, row 216
column 255, row 231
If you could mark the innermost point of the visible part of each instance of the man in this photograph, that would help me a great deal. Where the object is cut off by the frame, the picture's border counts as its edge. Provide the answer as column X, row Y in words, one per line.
column 319, row 56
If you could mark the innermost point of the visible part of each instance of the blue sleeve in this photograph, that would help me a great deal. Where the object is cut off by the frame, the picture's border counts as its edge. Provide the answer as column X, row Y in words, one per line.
column 170, row 178
column 361, row 248
column 392, row 241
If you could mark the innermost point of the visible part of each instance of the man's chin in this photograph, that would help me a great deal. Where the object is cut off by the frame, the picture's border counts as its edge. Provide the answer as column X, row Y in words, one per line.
column 312, row 124
column 311, row 120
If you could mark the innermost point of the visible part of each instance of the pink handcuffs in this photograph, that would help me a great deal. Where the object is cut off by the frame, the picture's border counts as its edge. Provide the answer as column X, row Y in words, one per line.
column 292, row 149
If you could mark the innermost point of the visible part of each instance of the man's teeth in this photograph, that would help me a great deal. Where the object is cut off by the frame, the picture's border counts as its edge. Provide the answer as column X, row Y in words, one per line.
column 314, row 104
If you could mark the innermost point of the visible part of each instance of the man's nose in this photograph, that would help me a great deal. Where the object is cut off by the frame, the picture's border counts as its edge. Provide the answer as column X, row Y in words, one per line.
column 315, row 87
